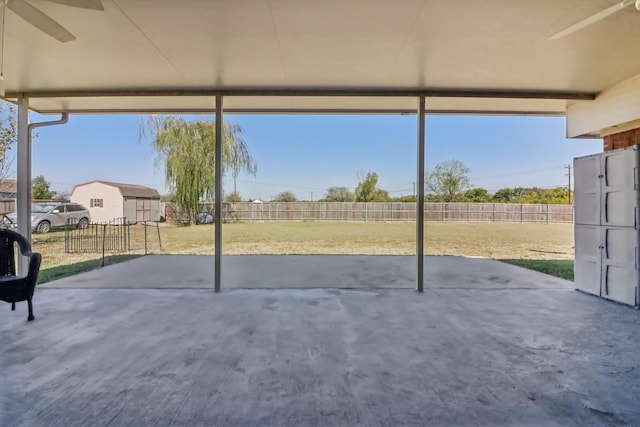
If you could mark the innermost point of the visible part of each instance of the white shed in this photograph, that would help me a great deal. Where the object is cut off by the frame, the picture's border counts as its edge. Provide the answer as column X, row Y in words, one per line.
column 110, row 201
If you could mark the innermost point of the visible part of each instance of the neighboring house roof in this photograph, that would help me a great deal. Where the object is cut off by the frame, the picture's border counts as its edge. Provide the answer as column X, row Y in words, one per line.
column 8, row 186
column 127, row 190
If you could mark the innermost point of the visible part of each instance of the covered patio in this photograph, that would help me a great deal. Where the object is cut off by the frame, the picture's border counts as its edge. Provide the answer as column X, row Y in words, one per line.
column 415, row 57
column 148, row 342
column 486, row 344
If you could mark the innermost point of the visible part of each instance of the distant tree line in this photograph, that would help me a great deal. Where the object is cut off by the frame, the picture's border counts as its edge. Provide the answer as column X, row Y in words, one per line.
column 533, row 195
column 551, row 196
column 448, row 182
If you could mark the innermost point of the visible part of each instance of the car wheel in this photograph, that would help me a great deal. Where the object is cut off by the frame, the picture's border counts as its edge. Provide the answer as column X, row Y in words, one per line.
column 83, row 223
column 43, row 227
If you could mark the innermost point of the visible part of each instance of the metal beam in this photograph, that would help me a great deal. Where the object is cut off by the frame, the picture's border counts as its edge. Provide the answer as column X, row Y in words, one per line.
column 249, row 110
column 218, row 196
column 420, row 198
column 314, row 92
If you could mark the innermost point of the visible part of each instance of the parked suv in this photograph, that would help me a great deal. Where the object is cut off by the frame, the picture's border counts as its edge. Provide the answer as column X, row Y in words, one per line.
column 45, row 216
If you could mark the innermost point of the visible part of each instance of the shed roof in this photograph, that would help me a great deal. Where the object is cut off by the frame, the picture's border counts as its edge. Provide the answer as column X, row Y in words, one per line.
column 464, row 55
column 127, row 190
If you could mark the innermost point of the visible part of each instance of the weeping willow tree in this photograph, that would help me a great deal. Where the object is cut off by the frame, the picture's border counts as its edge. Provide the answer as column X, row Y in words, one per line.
column 188, row 152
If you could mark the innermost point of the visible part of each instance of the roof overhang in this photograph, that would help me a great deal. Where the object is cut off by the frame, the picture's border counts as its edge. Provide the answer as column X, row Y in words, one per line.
column 320, row 100
column 464, row 56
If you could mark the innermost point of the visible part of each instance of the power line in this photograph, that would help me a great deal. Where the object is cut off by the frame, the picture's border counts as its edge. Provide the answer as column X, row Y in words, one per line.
column 519, row 173
column 272, row 184
column 403, row 190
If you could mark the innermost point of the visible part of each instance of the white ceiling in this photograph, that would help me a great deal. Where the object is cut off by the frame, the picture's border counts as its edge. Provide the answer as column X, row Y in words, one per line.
column 158, row 48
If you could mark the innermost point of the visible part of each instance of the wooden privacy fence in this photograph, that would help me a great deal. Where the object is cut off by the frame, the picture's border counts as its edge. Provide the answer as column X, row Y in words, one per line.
column 392, row 211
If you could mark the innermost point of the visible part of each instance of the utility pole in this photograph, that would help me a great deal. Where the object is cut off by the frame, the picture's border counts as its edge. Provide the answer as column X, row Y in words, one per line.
column 312, row 196
column 569, row 175
column 414, row 189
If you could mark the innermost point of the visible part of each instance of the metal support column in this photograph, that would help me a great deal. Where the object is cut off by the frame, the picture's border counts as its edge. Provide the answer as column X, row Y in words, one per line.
column 218, row 195
column 23, row 204
column 420, row 197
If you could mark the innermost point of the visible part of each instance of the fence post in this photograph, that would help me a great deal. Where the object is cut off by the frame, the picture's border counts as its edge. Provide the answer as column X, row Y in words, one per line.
column 66, row 238
column 159, row 240
column 547, row 214
column 123, row 236
column 521, row 212
column 104, row 238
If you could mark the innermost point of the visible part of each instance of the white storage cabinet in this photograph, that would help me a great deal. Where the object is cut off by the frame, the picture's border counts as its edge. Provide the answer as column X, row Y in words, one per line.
column 607, row 224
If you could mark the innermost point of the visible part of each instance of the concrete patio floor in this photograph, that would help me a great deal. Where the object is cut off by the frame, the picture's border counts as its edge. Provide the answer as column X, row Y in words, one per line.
column 310, row 271
column 454, row 355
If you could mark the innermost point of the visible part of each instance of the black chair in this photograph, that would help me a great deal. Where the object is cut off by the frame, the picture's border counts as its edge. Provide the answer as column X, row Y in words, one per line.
column 15, row 288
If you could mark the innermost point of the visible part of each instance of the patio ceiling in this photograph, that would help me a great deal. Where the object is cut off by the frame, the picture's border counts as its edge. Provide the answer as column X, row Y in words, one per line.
column 464, row 55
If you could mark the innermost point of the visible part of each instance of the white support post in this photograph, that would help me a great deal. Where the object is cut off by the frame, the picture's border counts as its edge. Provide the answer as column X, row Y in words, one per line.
column 420, row 197
column 218, row 196
column 24, row 176
column 24, row 170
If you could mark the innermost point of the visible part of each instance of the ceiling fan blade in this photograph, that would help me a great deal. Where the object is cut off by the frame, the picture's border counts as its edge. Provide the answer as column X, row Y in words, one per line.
column 592, row 19
column 83, row 4
column 39, row 20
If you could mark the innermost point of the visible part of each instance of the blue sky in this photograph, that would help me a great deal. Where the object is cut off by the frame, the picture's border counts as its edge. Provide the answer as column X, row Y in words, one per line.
column 307, row 154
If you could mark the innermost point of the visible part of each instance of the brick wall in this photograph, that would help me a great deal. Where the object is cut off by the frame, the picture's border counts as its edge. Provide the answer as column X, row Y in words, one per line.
column 622, row 139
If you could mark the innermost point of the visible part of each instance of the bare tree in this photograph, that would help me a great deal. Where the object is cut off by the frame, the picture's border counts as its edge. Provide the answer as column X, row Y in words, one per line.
column 8, row 137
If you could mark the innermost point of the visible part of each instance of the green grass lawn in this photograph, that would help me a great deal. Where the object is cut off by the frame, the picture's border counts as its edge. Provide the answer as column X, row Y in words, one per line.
column 550, row 245
column 556, row 267
column 65, row 270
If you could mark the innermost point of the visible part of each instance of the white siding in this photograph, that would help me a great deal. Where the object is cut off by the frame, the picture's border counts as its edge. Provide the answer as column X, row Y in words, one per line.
column 113, row 204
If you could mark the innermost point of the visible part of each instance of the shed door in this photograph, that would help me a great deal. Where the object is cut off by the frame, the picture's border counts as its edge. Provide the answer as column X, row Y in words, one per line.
column 143, row 210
